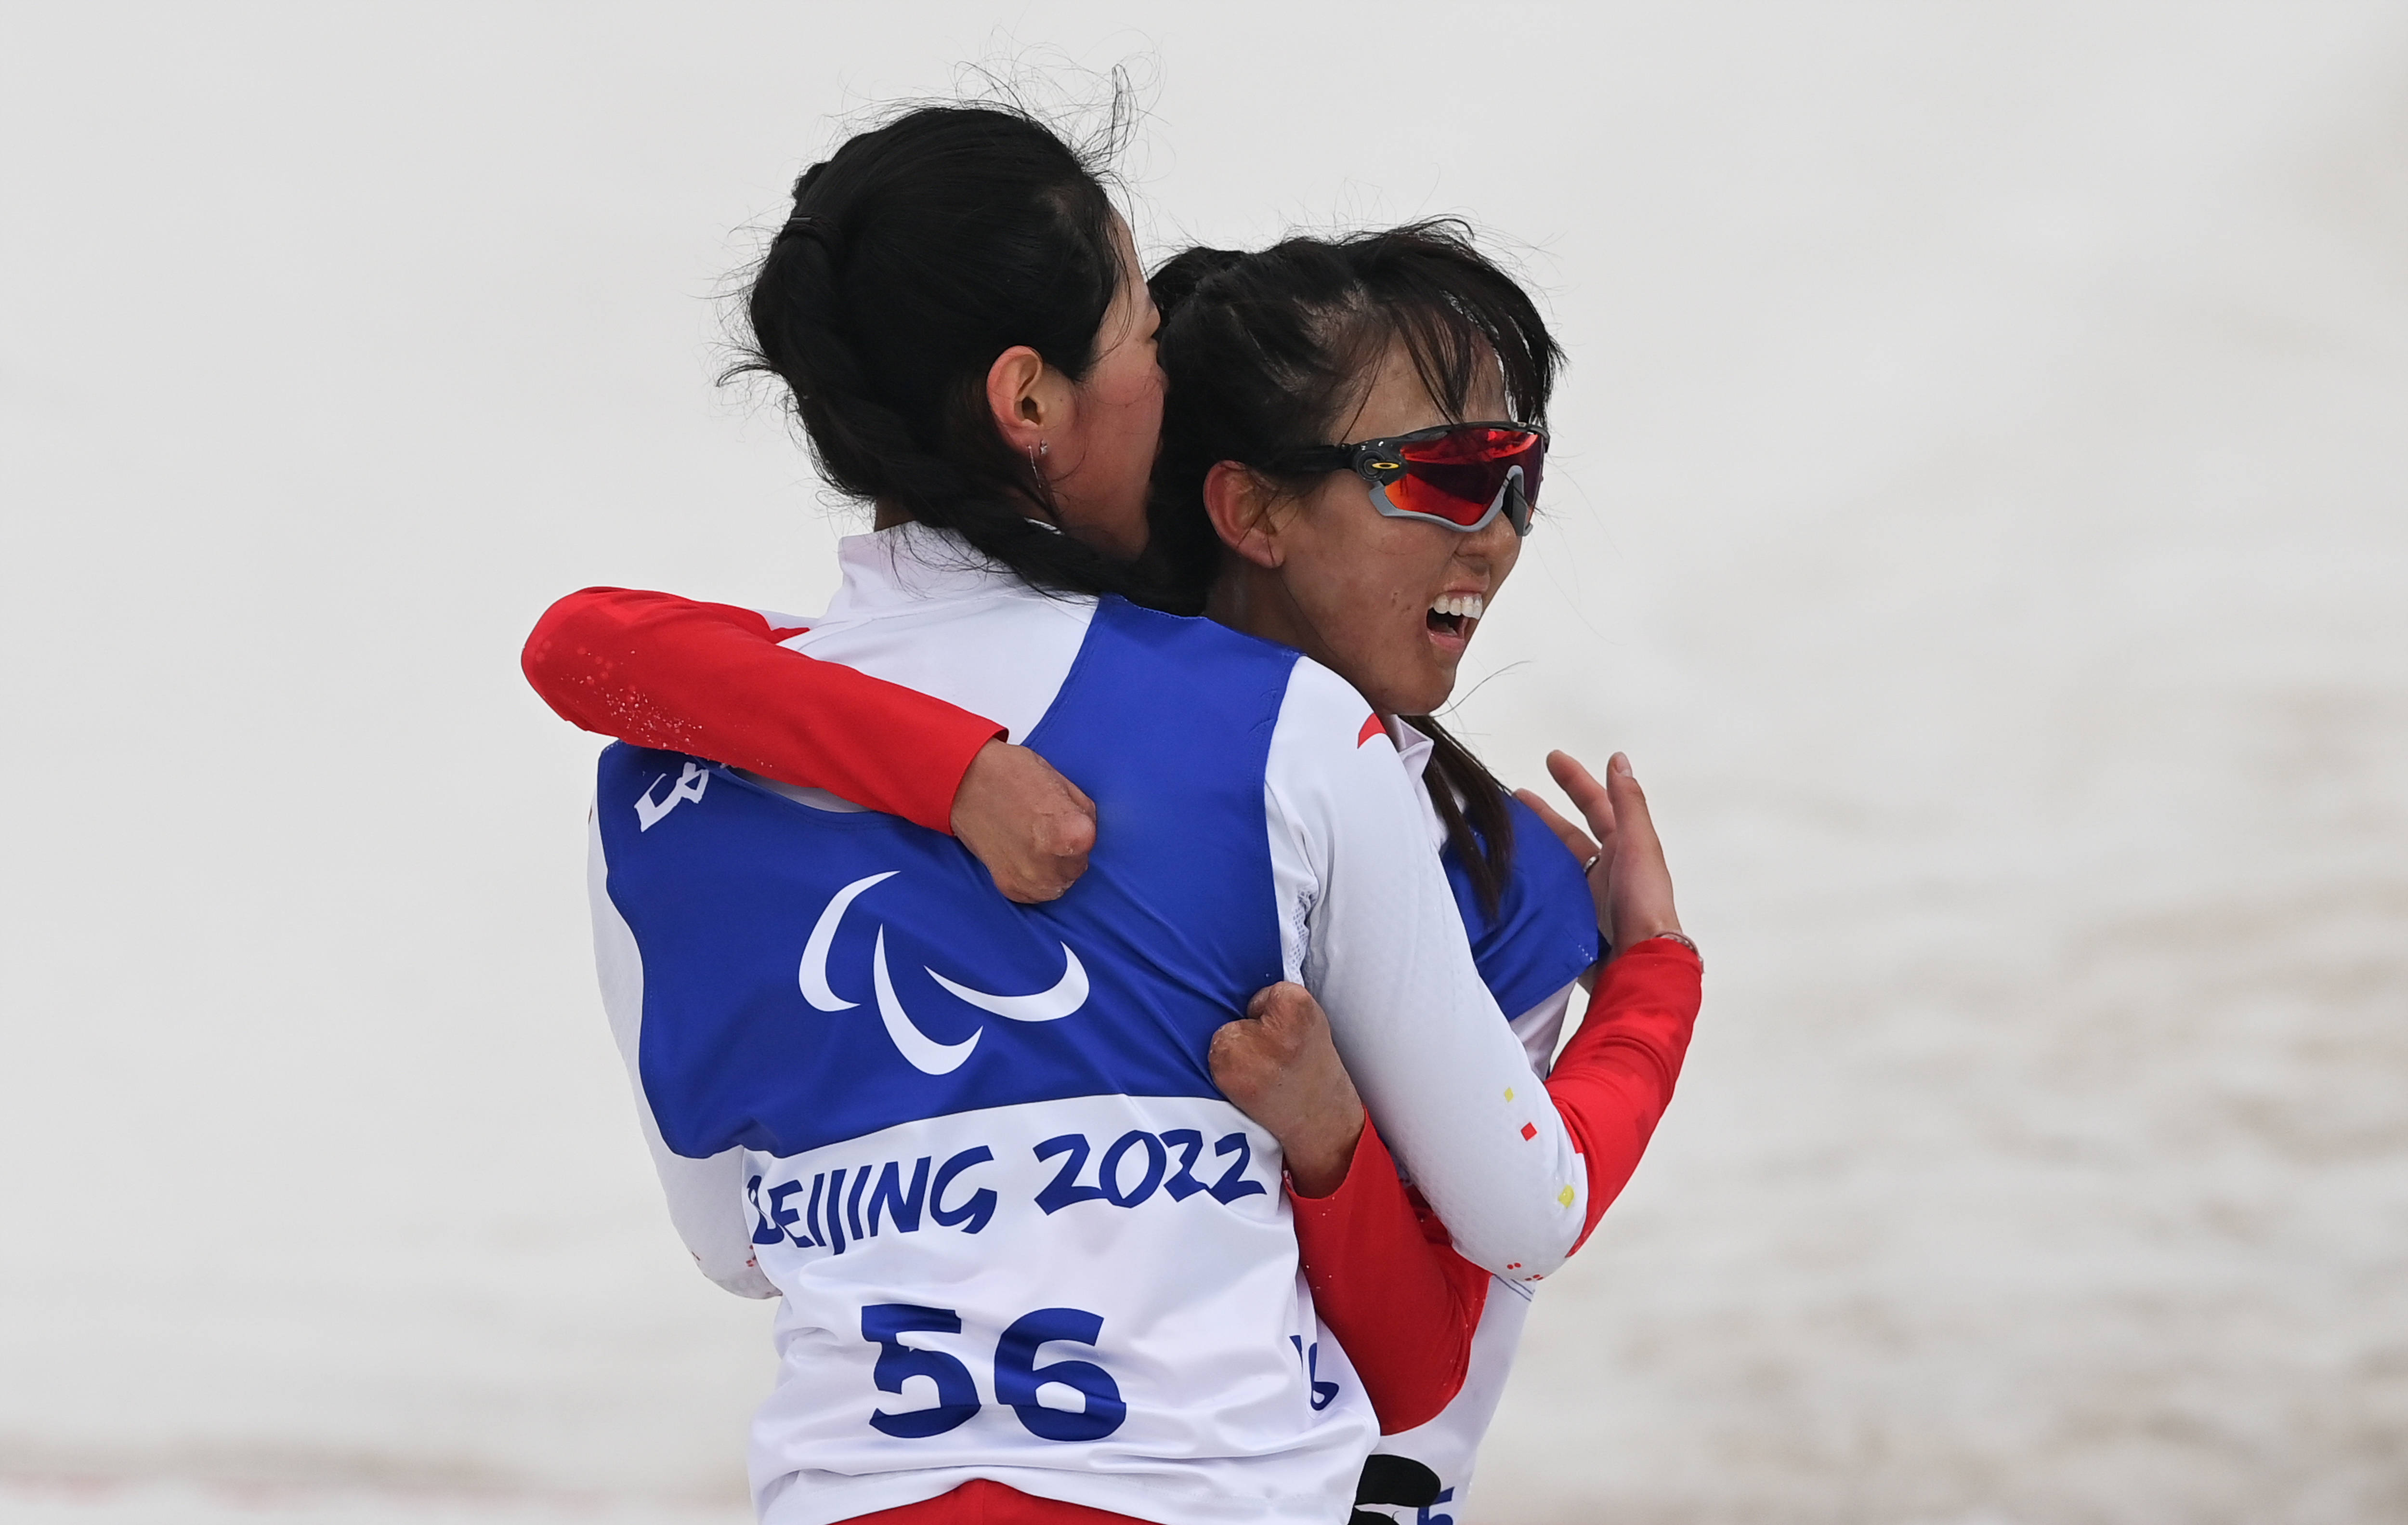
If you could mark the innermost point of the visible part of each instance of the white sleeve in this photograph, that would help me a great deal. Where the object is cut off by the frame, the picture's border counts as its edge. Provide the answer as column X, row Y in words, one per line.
column 1444, row 1077
column 706, row 1196
column 1541, row 1029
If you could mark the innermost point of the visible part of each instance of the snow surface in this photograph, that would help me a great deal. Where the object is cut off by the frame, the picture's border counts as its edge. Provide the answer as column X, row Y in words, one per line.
column 1981, row 508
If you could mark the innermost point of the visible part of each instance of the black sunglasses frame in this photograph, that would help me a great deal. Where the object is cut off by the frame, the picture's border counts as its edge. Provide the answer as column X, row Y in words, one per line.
column 1380, row 462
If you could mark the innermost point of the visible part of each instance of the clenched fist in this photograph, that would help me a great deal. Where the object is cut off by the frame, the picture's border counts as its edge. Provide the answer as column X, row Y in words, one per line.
column 1279, row 1066
column 1032, row 828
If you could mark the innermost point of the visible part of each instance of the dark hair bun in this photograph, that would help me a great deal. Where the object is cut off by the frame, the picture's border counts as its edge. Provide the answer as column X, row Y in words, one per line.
column 1179, row 279
column 916, row 254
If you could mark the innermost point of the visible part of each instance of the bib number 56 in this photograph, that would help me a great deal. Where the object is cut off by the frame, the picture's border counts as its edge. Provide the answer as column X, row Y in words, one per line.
column 1017, row 1376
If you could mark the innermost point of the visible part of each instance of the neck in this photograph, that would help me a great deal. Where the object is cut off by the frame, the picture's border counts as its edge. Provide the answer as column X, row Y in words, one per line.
column 1254, row 599
column 889, row 515
column 1248, row 598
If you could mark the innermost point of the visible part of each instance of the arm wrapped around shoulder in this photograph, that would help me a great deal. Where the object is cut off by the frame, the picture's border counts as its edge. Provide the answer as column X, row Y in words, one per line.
column 1439, row 1068
column 712, row 680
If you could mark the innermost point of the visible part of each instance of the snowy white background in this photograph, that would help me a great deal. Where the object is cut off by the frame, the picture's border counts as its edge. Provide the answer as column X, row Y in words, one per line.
column 1981, row 508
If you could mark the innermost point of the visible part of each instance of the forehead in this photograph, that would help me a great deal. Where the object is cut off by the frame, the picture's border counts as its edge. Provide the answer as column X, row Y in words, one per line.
column 1397, row 401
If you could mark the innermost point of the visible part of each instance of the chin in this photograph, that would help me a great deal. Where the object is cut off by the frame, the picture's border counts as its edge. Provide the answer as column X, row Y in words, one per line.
column 1435, row 694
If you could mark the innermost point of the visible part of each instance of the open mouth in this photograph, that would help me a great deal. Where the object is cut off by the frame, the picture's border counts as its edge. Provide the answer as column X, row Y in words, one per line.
column 1454, row 614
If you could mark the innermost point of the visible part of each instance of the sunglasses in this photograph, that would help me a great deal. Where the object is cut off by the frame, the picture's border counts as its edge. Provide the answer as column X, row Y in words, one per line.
column 1459, row 475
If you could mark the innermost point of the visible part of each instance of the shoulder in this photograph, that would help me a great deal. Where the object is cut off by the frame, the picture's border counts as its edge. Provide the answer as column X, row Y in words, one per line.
column 1184, row 672
column 1324, row 712
column 1189, row 638
column 1329, row 745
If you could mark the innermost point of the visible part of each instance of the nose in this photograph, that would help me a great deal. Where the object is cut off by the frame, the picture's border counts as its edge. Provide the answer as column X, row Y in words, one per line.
column 1494, row 542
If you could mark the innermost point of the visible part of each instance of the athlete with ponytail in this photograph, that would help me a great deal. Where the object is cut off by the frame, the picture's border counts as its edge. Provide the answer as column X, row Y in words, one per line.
column 1023, row 1243
column 1352, row 452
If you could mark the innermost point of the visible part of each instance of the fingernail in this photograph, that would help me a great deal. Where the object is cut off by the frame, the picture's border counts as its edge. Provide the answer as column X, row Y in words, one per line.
column 1621, row 764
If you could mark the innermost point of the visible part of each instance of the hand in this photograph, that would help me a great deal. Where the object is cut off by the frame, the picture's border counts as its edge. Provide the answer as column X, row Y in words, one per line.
column 1277, row 1066
column 1030, row 826
column 1632, row 886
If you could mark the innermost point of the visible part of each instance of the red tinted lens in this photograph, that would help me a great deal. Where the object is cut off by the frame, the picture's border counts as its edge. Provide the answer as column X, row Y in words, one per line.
column 1456, row 476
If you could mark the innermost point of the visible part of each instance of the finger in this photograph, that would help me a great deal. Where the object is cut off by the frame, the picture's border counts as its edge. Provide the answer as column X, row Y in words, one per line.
column 1287, row 1010
column 1066, row 834
column 1587, row 794
column 1231, row 1053
column 1054, row 855
column 1073, row 834
column 1033, row 889
column 1264, row 998
column 1083, row 835
column 1574, row 838
column 1641, row 885
column 1017, row 880
column 1060, row 873
column 1629, row 805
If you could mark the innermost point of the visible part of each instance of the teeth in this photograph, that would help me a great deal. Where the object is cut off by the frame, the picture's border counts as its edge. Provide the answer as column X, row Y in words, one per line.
column 1466, row 605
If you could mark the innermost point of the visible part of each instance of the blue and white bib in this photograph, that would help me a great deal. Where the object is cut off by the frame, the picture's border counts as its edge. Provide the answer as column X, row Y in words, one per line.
column 1018, row 1231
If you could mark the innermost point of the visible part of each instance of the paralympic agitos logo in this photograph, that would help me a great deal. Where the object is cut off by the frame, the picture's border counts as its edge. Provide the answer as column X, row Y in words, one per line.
column 924, row 1052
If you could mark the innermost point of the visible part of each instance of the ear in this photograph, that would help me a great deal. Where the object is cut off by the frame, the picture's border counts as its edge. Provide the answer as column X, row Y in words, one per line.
column 1239, row 503
column 1026, row 397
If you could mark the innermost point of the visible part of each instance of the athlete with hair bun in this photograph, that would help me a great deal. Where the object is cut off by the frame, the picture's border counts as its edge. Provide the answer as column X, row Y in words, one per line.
column 1317, row 485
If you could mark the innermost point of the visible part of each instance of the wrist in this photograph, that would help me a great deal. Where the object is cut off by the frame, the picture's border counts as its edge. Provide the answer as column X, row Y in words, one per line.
column 1318, row 1164
column 1673, row 936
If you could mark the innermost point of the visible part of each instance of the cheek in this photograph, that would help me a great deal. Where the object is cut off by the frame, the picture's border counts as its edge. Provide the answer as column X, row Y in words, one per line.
column 1368, row 581
column 1408, row 563
column 1135, row 417
column 1503, row 560
column 1145, row 396
column 1126, row 378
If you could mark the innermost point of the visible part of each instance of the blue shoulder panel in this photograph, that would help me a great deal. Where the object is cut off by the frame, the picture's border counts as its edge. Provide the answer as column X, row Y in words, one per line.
column 810, row 976
column 1545, row 932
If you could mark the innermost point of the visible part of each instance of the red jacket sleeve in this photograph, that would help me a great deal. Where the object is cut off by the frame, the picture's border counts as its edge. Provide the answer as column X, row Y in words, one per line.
column 1383, row 1275
column 711, row 679
column 1386, row 1282
column 1613, row 1080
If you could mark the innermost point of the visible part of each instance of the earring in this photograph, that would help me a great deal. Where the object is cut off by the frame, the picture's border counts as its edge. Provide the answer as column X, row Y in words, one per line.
column 1041, row 448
